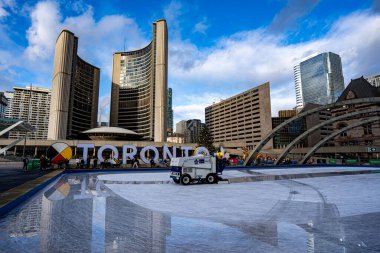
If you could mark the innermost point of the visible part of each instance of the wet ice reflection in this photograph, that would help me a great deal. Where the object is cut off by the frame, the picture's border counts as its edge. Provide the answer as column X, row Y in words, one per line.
column 80, row 214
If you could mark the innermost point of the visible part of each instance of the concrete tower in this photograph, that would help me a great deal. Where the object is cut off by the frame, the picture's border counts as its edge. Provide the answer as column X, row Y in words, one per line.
column 75, row 91
column 139, row 87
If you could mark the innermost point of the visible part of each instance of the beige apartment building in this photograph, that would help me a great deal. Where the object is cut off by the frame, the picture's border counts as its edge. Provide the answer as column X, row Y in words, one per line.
column 75, row 91
column 139, row 87
column 243, row 119
column 31, row 104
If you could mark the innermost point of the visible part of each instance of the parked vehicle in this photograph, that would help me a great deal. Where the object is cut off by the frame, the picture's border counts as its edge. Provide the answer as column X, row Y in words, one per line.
column 207, row 169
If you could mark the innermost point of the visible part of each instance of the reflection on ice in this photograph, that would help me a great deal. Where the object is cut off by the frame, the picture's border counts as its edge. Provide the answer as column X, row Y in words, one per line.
column 81, row 214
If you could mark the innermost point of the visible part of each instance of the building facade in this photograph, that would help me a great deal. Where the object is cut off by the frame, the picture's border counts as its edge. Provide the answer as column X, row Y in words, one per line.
column 319, row 79
column 245, row 117
column 139, row 87
column 367, row 135
column 31, row 104
column 193, row 128
column 75, row 91
column 3, row 104
column 287, row 134
column 374, row 80
column 176, row 138
column 287, row 113
column 170, row 110
column 180, row 127
column 9, row 96
column 315, row 119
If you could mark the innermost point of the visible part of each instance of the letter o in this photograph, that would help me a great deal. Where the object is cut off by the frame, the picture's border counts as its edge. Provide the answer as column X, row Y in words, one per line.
column 102, row 148
column 202, row 150
column 143, row 151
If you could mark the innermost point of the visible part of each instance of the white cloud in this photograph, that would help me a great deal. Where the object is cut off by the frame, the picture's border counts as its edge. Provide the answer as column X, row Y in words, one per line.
column 172, row 14
column 104, row 108
column 287, row 17
column 98, row 40
column 254, row 57
column 193, row 106
column 79, row 6
column 201, row 26
column 6, row 6
column 43, row 31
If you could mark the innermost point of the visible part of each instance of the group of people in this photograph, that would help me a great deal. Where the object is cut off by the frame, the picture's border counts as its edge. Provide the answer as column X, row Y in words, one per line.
column 44, row 163
column 86, row 164
column 81, row 164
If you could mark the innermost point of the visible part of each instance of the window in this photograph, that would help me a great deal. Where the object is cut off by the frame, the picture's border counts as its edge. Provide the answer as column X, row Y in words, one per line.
column 340, row 126
column 367, row 129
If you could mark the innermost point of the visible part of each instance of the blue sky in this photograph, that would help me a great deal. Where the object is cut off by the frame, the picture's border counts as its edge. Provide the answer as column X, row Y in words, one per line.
column 216, row 48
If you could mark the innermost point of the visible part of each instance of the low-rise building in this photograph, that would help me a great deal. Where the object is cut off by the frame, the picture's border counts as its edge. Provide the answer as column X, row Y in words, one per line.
column 367, row 135
column 245, row 117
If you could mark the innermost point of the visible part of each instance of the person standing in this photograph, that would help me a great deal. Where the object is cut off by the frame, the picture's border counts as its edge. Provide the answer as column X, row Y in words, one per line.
column 95, row 162
column 152, row 163
column 88, row 162
column 60, row 163
column 67, row 163
column 135, row 163
column 25, row 162
column 42, row 163
column 77, row 161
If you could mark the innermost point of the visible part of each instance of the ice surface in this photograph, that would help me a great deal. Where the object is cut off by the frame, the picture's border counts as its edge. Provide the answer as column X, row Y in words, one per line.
column 286, row 171
column 103, row 213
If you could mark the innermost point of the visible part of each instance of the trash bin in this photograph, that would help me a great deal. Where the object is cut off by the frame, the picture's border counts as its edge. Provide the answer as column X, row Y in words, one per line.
column 33, row 164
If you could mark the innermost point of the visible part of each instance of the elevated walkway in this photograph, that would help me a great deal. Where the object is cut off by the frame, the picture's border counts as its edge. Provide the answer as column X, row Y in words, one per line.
column 9, row 124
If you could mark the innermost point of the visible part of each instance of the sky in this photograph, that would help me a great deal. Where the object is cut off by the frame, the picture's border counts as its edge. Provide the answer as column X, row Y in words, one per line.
column 217, row 49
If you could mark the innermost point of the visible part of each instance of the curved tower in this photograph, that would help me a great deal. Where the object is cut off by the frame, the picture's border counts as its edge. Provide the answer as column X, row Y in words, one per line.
column 139, row 87
column 75, row 91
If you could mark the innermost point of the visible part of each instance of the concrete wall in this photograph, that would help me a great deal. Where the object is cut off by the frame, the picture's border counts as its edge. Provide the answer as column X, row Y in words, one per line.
column 161, row 84
column 62, row 71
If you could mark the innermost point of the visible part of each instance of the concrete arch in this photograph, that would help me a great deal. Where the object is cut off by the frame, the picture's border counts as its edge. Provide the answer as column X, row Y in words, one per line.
column 319, row 144
column 311, row 130
column 264, row 141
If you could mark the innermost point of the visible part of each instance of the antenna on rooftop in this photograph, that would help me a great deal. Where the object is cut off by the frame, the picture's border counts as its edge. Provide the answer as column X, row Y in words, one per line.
column 124, row 44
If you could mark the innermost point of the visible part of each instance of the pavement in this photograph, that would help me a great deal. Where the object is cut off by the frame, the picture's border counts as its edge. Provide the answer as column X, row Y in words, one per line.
column 12, row 175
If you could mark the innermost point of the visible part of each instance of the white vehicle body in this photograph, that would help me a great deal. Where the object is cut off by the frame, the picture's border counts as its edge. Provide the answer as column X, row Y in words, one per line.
column 195, row 168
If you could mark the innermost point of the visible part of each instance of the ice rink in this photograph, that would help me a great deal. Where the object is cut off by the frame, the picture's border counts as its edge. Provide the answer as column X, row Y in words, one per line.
column 147, row 212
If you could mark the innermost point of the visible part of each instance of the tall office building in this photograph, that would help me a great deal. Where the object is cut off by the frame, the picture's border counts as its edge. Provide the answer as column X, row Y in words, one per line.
column 139, row 87
column 189, row 129
column 3, row 104
column 319, row 79
column 193, row 128
column 9, row 96
column 170, row 110
column 244, row 118
column 31, row 104
column 374, row 80
column 75, row 91
column 180, row 127
column 297, row 82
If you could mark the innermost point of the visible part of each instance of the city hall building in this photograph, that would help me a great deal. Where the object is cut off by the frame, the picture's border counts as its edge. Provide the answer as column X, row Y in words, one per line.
column 75, row 91
column 139, row 87
column 243, row 119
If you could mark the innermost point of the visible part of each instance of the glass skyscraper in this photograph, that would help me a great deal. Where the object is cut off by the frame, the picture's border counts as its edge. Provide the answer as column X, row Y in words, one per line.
column 319, row 79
